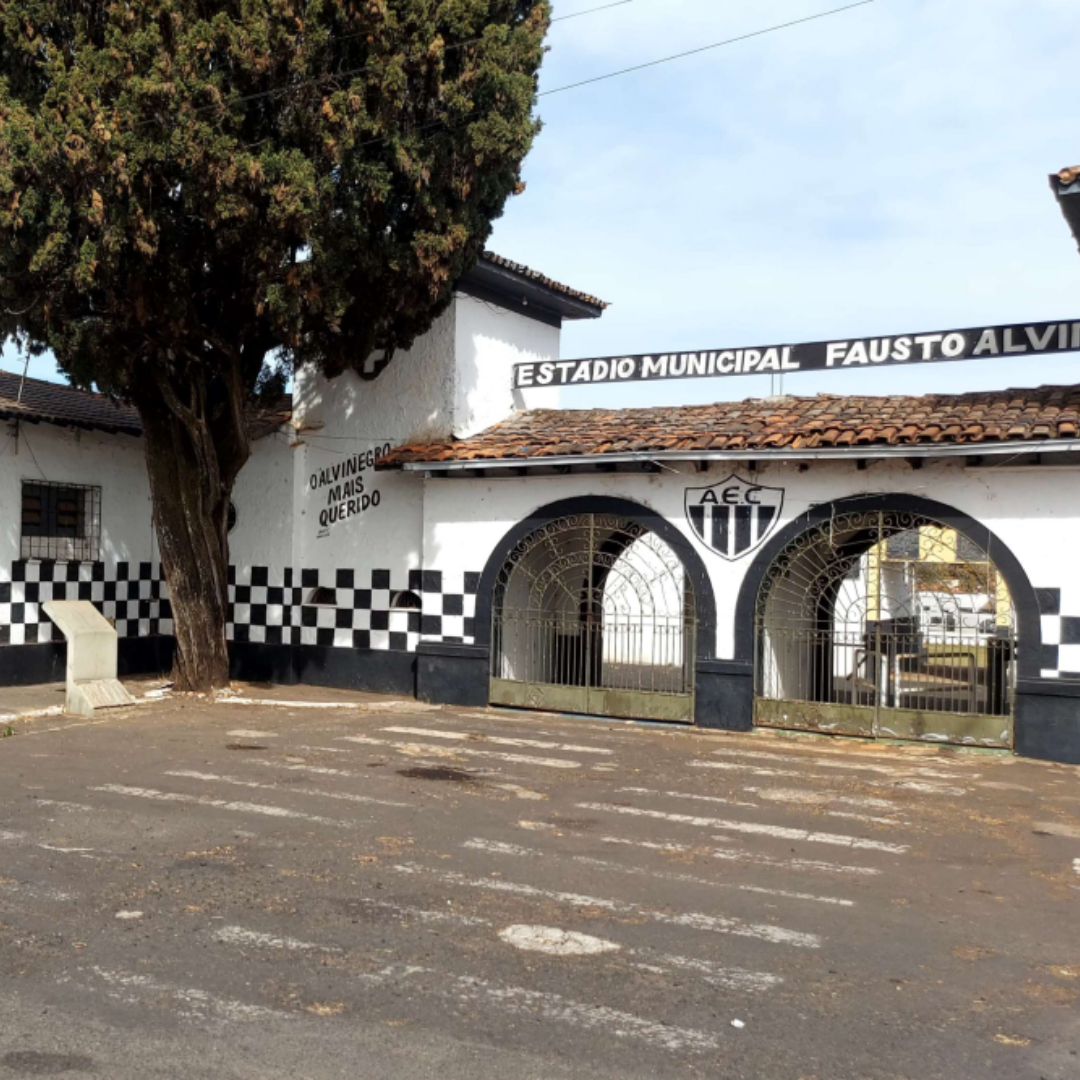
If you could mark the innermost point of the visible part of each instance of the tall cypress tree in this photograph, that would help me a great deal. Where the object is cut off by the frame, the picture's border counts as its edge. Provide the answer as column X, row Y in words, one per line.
column 196, row 196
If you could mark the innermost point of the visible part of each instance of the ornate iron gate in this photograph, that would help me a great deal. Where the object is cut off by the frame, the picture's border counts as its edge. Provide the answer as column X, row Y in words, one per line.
column 593, row 614
column 887, row 625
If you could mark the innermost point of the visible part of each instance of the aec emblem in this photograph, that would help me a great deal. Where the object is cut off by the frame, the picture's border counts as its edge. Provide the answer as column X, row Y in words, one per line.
column 734, row 517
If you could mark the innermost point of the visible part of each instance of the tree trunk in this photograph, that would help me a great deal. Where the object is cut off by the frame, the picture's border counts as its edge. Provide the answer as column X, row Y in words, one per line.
column 191, row 479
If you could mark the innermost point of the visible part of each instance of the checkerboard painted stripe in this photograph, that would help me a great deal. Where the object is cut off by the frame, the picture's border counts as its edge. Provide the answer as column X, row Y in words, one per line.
column 363, row 608
column 356, row 609
column 133, row 595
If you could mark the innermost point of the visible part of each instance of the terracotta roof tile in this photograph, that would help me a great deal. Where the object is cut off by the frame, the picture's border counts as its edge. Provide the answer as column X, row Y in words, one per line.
column 772, row 426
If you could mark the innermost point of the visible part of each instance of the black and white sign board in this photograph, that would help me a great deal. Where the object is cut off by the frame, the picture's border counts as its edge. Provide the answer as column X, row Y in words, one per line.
column 1017, row 340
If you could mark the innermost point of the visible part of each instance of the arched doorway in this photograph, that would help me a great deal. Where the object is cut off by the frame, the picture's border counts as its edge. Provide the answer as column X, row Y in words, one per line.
column 594, row 613
column 886, row 623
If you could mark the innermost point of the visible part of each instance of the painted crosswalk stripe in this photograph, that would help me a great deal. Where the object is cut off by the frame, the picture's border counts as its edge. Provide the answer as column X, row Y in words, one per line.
column 820, row 798
column 217, row 804
column 899, row 768
column 687, row 795
column 344, row 796
column 8, row 836
column 752, row 858
column 926, row 787
column 498, row 740
column 463, row 751
column 317, row 770
column 823, row 800
column 237, row 935
column 779, row 832
column 556, row 1009
column 776, row 935
column 516, row 850
column 424, row 915
column 186, row 1002
column 36, row 892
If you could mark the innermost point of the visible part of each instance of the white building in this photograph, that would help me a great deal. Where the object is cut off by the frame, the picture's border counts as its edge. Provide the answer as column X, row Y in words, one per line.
column 429, row 530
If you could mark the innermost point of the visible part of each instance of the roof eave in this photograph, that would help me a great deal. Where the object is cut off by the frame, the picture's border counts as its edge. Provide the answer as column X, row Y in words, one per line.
column 914, row 450
column 83, row 425
column 490, row 277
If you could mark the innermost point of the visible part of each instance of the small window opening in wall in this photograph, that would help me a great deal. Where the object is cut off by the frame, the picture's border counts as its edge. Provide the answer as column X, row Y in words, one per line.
column 405, row 601
column 322, row 597
column 60, row 521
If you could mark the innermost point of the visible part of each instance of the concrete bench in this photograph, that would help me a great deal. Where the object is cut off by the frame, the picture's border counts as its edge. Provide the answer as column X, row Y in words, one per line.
column 91, row 657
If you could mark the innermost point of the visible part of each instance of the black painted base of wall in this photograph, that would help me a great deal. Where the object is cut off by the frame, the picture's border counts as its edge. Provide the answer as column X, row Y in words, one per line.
column 29, row 665
column 453, row 674
column 1048, row 720
column 1047, row 710
column 370, row 670
column 724, row 696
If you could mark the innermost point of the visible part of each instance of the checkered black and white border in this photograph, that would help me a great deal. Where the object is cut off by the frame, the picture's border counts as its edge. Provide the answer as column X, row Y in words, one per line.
column 272, row 606
column 356, row 609
column 133, row 596
column 360, row 610
column 1060, row 634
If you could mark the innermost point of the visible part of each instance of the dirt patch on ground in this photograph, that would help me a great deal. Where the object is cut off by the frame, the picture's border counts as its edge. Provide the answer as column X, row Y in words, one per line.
column 440, row 773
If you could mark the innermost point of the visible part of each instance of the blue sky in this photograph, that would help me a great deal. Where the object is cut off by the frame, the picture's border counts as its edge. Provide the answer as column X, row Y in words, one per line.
column 880, row 171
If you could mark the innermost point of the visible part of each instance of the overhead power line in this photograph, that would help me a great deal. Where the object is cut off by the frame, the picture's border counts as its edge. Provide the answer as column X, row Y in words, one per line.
column 431, row 125
column 558, row 89
column 350, row 72
column 704, row 48
column 590, row 11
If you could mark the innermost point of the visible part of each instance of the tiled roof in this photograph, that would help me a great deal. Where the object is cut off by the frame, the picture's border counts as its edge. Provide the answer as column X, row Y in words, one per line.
column 534, row 275
column 55, row 403
column 58, row 404
column 770, row 425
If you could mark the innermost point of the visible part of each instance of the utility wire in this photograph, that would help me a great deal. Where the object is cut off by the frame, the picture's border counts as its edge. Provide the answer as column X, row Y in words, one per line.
column 559, row 89
column 432, row 124
column 704, row 48
column 349, row 72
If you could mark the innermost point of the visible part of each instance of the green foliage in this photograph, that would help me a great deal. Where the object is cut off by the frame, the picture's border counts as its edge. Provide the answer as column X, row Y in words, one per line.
column 190, row 187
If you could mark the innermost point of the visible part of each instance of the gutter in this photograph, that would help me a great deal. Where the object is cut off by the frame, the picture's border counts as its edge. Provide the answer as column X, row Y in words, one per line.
column 915, row 450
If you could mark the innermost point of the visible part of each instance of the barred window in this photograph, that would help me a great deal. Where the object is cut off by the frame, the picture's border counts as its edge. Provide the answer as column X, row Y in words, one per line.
column 60, row 521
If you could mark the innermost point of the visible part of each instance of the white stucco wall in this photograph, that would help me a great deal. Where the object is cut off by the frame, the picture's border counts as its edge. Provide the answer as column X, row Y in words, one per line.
column 1033, row 511
column 114, row 463
column 263, row 497
column 489, row 341
column 69, row 455
column 455, row 381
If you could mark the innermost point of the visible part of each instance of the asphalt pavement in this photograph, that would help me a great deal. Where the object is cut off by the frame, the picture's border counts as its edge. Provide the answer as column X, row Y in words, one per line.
column 387, row 890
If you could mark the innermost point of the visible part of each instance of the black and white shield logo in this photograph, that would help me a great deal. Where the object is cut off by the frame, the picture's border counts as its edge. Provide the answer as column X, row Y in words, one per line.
column 734, row 517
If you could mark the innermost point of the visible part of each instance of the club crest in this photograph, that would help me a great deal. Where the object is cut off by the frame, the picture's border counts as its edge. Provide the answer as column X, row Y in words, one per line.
column 734, row 517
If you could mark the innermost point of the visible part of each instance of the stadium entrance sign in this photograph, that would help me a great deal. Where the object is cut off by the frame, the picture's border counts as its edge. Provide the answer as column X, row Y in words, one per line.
column 1018, row 339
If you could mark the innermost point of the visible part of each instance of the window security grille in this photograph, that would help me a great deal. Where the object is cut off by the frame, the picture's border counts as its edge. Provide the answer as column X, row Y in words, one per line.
column 61, row 521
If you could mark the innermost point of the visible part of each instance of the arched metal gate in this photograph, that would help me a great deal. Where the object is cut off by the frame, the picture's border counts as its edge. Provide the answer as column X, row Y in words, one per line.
column 594, row 614
column 890, row 625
